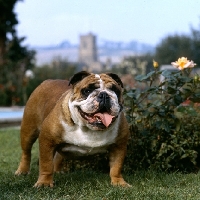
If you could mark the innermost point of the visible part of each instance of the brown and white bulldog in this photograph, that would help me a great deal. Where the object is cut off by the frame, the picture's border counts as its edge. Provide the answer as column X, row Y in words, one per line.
column 76, row 118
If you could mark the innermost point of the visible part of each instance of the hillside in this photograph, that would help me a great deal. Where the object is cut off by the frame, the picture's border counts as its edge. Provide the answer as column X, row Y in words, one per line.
column 115, row 51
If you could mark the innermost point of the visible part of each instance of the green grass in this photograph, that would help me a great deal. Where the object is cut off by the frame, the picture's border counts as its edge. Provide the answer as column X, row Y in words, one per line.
column 87, row 185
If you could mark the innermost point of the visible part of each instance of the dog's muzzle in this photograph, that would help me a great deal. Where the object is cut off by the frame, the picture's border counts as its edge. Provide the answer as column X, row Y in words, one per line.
column 102, row 117
column 104, row 102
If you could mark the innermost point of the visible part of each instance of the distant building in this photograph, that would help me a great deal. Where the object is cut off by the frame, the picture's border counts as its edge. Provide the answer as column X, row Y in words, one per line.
column 88, row 59
column 87, row 49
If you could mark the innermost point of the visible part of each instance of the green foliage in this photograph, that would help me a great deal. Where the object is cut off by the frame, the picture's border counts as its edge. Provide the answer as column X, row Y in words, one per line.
column 134, row 65
column 15, row 58
column 164, row 134
column 58, row 69
column 195, row 35
column 8, row 16
column 12, row 74
column 173, row 47
column 7, row 26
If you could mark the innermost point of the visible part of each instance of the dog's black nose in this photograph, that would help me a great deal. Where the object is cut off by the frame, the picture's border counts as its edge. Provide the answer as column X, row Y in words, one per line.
column 103, row 97
column 104, row 100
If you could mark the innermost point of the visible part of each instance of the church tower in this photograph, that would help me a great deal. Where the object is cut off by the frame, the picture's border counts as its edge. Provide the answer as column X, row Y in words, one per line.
column 87, row 49
column 88, row 59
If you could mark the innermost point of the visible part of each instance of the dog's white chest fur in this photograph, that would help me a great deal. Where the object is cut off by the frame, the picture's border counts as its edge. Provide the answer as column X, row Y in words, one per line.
column 85, row 141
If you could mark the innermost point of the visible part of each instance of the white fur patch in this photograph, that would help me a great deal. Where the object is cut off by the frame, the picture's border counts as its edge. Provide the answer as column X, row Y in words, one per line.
column 100, row 81
column 86, row 141
column 97, row 76
column 74, row 113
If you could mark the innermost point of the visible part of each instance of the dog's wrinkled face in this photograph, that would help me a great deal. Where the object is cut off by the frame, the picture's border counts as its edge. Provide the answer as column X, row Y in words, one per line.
column 96, row 100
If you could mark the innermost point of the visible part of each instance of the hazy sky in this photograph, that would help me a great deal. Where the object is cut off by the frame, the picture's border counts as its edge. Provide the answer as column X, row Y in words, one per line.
column 46, row 22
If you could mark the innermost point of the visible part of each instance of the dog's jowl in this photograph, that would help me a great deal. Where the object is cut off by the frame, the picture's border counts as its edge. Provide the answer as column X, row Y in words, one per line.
column 79, row 117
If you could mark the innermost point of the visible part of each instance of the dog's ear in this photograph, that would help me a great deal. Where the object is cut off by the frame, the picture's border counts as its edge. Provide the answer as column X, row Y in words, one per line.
column 116, row 78
column 78, row 77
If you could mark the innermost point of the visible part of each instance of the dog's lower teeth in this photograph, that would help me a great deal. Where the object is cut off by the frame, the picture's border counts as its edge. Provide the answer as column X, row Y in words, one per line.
column 98, row 119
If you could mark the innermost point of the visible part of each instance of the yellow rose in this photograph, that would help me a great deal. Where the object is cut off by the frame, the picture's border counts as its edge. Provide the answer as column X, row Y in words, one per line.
column 183, row 63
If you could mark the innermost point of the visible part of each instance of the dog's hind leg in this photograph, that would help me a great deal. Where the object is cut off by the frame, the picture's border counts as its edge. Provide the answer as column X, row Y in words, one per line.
column 58, row 163
column 29, row 134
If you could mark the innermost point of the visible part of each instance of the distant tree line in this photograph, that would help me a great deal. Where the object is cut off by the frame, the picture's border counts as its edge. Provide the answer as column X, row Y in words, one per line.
column 16, row 59
column 175, row 46
column 58, row 69
column 168, row 50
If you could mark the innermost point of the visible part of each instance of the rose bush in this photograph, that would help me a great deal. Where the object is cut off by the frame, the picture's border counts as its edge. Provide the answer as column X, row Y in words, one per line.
column 165, row 133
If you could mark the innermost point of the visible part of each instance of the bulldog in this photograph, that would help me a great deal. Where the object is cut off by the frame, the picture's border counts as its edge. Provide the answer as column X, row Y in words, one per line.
column 79, row 117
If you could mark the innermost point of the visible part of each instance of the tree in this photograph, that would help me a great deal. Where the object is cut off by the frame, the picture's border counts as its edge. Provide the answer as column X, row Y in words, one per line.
column 134, row 65
column 15, row 59
column 173, row 47
column 8, row 21
column 195, row 35
column 58, row 69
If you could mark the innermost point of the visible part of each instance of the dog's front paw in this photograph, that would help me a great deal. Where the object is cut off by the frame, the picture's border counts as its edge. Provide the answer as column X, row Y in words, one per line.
column 22, row 171
column 119, row 182
column 44, row 180
column 45, row 184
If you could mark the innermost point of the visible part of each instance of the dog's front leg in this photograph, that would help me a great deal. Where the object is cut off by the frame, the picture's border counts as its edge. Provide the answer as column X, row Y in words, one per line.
column 116, row 160
column 47, row 150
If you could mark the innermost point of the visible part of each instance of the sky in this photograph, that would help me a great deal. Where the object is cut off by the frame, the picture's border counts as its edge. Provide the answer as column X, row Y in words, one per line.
column 49, row 22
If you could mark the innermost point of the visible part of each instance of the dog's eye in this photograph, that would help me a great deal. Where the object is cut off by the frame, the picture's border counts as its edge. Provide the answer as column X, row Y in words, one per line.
column 116, row 90
column 87, row 91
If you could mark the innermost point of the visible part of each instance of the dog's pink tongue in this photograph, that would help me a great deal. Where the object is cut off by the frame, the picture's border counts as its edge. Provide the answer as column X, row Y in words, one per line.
column 105, row 118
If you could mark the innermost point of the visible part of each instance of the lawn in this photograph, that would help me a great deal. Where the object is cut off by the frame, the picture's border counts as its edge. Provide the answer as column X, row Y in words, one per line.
column 87, row 184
